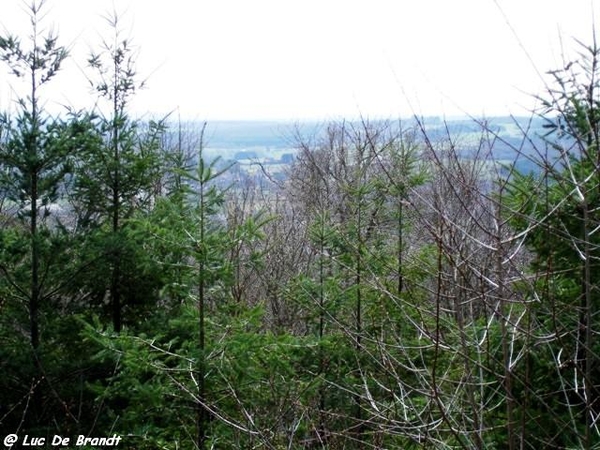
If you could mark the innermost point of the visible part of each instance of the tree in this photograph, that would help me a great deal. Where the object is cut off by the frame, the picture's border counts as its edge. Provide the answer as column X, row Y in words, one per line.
column 32, row 155
column 345, row 183
column 117, row 176
column 556, row 212
column 35, row 156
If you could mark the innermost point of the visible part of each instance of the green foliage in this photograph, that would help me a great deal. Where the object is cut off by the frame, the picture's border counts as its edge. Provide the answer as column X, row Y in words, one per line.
column 556, row 213
column 411, row 326
column 250, row 374
column 41, row 62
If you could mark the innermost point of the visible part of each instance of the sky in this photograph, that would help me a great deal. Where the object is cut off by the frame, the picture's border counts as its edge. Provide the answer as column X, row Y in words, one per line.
column 315, row 59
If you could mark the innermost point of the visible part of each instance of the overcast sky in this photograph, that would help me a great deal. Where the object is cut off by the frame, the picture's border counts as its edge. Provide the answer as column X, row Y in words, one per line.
column 318, row 59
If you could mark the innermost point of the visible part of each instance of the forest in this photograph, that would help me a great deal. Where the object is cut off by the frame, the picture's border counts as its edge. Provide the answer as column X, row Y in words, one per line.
column 394, row 290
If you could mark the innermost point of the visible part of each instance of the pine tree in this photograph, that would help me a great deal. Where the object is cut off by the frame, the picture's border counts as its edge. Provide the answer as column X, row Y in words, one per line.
column 117, row 177
column 34, row 156
column 556, row 211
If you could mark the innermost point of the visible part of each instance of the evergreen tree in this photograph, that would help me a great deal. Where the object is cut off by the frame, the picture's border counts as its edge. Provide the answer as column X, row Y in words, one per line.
column 35, row 156
column 115, row 179
column 557, row 213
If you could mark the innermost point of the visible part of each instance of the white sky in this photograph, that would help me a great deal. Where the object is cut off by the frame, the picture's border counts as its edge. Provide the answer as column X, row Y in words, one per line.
column 318, row 59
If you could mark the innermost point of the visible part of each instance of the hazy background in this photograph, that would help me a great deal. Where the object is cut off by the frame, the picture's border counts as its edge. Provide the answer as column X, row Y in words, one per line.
column 318, row 59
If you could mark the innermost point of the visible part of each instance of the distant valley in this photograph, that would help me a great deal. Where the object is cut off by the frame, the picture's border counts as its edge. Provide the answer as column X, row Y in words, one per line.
column 274, row 143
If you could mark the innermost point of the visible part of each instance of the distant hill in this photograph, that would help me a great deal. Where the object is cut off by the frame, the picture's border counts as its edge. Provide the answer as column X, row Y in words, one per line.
column 249, row 134
column 275, row 139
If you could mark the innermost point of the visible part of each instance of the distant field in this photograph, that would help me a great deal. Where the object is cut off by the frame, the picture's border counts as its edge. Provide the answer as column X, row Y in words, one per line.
column 272, row 142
